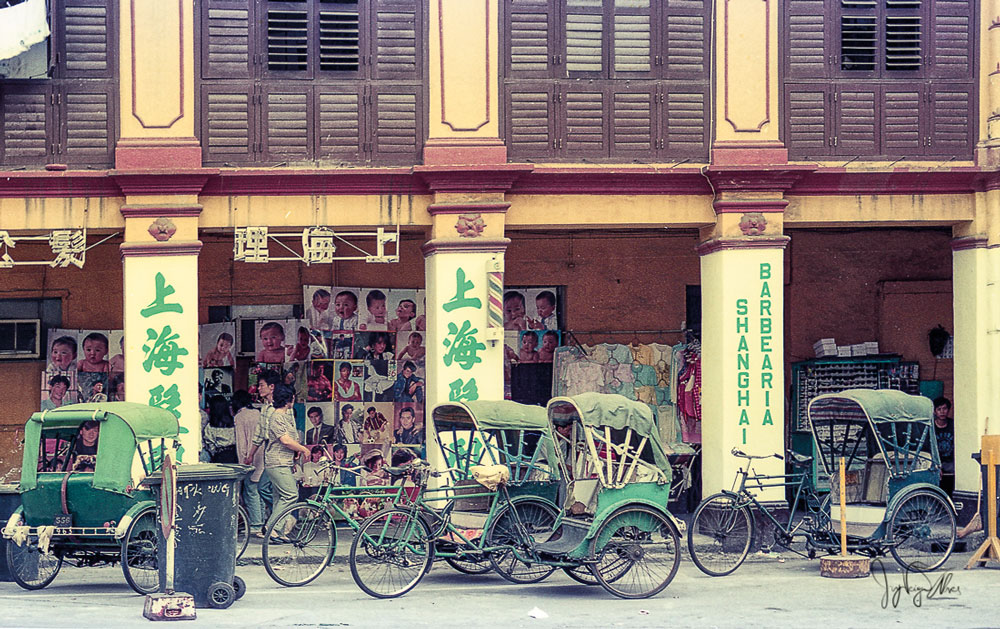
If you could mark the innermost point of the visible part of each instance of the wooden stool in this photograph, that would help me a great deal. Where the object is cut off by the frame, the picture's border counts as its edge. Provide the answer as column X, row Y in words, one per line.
column 990, row 548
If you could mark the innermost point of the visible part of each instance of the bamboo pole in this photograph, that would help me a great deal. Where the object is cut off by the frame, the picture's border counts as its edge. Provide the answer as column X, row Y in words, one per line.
column 843, row 509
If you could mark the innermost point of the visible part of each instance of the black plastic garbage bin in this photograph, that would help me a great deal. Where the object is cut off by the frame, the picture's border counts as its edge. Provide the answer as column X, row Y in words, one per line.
column 205, row 533
column 10, row 500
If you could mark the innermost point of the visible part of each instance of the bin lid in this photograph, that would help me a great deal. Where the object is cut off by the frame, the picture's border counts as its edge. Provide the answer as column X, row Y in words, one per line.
column 6, row 488
column 204, row 472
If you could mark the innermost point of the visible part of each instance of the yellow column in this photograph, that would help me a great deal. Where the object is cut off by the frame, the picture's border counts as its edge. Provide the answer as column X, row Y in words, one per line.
column 747, row 82
column 463, row 114
column 989, row 83
column 742, row 287
column 160, row 259
column 156, row 74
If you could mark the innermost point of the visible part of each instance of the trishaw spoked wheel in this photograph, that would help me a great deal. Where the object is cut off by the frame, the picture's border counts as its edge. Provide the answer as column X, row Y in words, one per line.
column 242, row 531
column 582, row 574
column 720, row 534
column 30, row 568
column 139, row 562
column 470, row 564
column 922, row 531
column 535, row 516
column 638, row 552
column 391, row 553
column 298, row 544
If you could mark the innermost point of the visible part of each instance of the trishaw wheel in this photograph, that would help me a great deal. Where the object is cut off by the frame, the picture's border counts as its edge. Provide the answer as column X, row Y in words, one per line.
column 638, row 551
column 922, row 531
column 582, row 574
column 299, row 544
column 30, row 568
column 720, row 534
column 470, row 564
column 535, row 516
column 139, row 563
column 391, row 553
column 242, row 531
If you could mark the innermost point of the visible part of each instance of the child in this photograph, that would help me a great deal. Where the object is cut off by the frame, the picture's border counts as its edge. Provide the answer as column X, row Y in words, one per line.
column 550, row 340
column 513, row 311
column 95, row 351
column 272, row 340
column 375, row 301
column 528, row 354
column 345, row 306
column 118, row 360
column 221, row 356
column 62, row 356
column 300, row 351
column 545, row 303
column 414, row 347
column 406, row 311
column 318, row 314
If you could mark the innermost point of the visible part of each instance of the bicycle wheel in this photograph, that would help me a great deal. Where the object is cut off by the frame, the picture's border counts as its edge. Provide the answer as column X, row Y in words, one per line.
column 720, row 534
column 470, row 564
column 638, row 551
column 922, row 531
column 139, row 562
column 242, row 531
column 31, row 568
column 536, row 516
column 299, row 544
column 391, row 552
column 582, row 574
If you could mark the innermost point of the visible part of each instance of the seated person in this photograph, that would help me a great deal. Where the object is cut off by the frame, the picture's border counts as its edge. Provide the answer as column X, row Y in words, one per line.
column 85, row 447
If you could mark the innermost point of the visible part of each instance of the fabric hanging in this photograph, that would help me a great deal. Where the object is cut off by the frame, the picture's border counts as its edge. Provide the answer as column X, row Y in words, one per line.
column 21, row 27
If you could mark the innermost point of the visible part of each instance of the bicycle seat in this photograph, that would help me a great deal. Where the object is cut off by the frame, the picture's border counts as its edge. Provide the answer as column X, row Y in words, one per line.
column 490, row 476
column 799, row 459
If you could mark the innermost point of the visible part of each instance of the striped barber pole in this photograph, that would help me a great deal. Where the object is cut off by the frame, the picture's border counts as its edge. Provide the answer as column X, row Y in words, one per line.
column 495, row 298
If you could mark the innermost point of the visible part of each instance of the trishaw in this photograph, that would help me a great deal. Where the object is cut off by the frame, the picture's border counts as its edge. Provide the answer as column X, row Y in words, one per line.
column 81, row 502
column 614, row 486
column 894, row 504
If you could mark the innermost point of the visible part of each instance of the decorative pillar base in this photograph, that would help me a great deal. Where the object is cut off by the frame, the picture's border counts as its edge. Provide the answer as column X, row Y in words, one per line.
column 157, row 153
column 748, row 153
column 453, row 151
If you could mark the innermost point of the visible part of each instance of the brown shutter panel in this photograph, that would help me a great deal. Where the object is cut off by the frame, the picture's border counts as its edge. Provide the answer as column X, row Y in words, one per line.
column 685, row 110
column 531, row 39
column 84, row 45
column 225, row 39
column 398, row 40
column 901, row 114
column 951, row 123
column 633, row 118
column 687, row 39
column 632, row 40
column 397, row 121
column 584, row 26
column 227, row 125
column 89, row 116
column 286, row 135
column 805, row 35
column 339, row 123
column 583, row 131
column 952, row 38
column 807, row 119
column 340, row 39
column 857, row 132
column 26, row 123
column 290, row 47
column 530, row 128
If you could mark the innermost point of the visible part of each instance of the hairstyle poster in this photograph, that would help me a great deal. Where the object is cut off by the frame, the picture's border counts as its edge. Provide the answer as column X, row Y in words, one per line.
column 321, row 420
column 319, row 381
column 374, row 345
column 216, row 344
column 294, row 375
column 59, row 389
column 216, row 381
column 409, row 424
column 349, row 379
column 376, row 422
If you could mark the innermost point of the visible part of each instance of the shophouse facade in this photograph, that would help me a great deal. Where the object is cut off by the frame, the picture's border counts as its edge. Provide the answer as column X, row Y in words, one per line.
column 801, row 169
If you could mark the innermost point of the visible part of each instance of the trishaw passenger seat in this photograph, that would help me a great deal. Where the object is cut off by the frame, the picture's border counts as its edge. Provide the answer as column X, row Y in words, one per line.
column 490, row 476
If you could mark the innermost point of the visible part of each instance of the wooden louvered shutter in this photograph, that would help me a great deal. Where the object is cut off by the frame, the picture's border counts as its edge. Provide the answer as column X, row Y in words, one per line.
column 228, row 124
column 340, row 129
column 632, row 41
column 397, row 124
column 806, row 33
column 807, row 120
column 905, row 38
column 857, row 131
column 89, row 120
column 288, row 39
column 687, row 39
column 397, row 46
column 582, row 115
column 84, row 42
column 634, row 133
column 951, row 120
column 685, row 112
column 531, row 115
column 341, row 38
column 902, row 107
column 225, row 39
column 952, row 36
column 531, row 39
column 27, row 129
column 286, row 132
column 857, row 39
column 584, row 26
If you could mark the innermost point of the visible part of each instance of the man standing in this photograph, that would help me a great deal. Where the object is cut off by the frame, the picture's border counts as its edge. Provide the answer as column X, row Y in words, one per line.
column 265, row 389
column 279, row 454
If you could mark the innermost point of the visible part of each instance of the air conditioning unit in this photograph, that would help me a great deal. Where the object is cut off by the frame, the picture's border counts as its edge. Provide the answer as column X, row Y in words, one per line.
column 246, row 336
column 20, row 338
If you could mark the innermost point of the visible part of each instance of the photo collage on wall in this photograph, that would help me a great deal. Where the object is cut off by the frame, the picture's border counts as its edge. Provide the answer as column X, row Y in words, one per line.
column 217, row 358
column 531, row 321
column 83, row 366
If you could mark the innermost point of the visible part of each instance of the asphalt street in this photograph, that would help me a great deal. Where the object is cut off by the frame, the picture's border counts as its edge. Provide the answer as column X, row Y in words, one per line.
column 768, row 590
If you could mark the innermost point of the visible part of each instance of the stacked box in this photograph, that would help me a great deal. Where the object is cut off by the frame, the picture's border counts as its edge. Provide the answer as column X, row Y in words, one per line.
column 825, row 348
column 858, row 349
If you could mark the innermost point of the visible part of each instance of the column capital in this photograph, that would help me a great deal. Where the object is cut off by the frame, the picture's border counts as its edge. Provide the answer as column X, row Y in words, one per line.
column 748, row 242
column 756, row 178
column 156, row 249
column 174, row 182
column 471, row 179
column 464, row 245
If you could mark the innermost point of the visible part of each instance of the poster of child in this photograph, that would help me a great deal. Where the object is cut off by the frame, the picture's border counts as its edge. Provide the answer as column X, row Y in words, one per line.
column 302, row 348
column 374, row 457
column 319, row 381
column 62, row 351
column 215, row 344
column 376, row 422
column 270, row 345
column 116, row 387
column 537, row 346
column 541, row 308
column 58, row 389
column 117, row 338
column 318, row 301
column 403, row 310
column 413, row 349
column 374, row 314
column 549, row 342
column 94, row 349
column 345, row 308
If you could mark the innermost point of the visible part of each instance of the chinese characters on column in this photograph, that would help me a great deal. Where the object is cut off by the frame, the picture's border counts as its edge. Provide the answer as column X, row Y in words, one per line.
column 461, row 345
